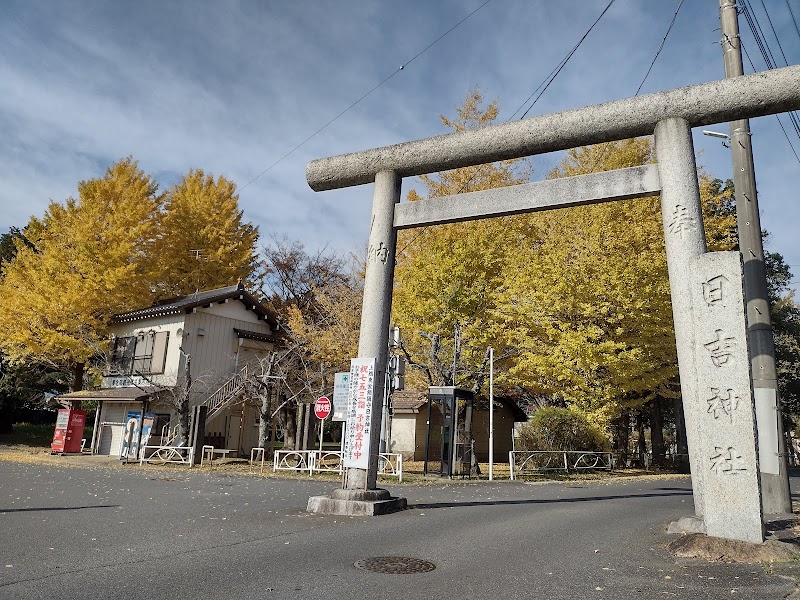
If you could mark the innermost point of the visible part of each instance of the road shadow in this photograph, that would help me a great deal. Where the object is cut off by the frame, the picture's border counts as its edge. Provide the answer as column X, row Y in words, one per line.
column 432, row 505
column 11, row 510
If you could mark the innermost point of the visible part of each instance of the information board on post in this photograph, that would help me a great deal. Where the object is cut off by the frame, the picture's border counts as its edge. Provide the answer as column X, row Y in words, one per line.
column 341, row 390
column 359, row 413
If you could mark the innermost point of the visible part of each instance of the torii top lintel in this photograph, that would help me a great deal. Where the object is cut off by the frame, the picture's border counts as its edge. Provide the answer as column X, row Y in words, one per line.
column 755, row 95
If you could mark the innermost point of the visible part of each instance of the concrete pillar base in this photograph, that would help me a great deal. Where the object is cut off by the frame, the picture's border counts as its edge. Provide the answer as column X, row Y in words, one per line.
column 356, row 503
column 687, row 525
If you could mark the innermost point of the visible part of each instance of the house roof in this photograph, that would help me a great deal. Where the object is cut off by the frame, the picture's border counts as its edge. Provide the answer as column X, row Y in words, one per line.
column 188, row 303
column 408, row 400
column 411, row 401
column 482, row 403
column 126, row 394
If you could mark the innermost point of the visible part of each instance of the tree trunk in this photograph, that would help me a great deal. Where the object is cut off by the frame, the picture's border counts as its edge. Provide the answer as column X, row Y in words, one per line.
column 682, row 448
column 621, row 436
column 6, row 415
column 183, row 402
column 641, row 442
column 298, row 442
column 77, row 383
column 657, row 431
column 306, row 422
column 264, row 421
column 266, row 403
column 289, row 428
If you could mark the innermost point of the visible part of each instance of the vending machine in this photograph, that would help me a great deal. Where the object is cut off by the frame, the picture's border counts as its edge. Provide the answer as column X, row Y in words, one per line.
column 69, row 431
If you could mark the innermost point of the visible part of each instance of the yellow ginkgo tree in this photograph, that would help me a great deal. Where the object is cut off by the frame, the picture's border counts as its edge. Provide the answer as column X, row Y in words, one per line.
column 587, row 304
column 85, row 260
column 203, row 237
column 119, row 245
column 447, row 275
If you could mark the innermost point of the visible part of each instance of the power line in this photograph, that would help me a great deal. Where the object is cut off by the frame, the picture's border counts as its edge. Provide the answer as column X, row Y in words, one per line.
column 545, row 83
column 775, row 33
column 396, row 71
column 554, row 73
column 791, row 12
column 766, row 53
column 661, row 47
column 758, row 34
column 792, row 115
column 747, row 54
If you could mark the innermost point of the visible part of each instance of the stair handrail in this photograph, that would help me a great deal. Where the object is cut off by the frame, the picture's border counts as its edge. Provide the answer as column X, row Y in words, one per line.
column 228, row 390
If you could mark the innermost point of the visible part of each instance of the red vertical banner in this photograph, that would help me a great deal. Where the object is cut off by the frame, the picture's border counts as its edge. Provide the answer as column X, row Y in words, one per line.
column 359, row 413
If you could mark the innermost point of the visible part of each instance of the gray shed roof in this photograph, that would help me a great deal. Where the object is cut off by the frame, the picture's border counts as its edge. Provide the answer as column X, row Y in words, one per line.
column 126, row 394
column 413, row 401
column 198, row 299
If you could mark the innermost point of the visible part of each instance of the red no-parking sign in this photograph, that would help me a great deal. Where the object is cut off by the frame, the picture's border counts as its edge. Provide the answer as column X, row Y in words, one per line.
column 322, row 408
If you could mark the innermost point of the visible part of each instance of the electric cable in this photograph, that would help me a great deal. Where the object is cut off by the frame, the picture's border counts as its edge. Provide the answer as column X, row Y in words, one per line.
column 792, row 115
column 661, row 47
column 794, row 20
column 755, row 29
column 546, row 83
column 396, row 71
column 553, row 74
column 776, row 116
column 775, row 33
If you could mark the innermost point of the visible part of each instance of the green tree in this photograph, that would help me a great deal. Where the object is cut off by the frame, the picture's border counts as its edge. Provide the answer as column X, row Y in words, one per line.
column 561, row 429
column 22, row 392
column 785, row 314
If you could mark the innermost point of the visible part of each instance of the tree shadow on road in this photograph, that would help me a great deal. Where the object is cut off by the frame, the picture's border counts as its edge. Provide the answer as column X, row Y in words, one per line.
column 431, row 505
column 11, row 510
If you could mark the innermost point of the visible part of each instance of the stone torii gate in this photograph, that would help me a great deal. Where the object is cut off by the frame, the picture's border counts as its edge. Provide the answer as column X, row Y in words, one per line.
column 706, row 288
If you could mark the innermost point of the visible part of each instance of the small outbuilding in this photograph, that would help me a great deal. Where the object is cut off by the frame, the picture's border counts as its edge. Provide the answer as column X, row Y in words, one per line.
column 410, row 415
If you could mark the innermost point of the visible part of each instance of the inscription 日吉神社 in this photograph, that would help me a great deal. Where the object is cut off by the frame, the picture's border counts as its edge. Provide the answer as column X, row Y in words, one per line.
column 727, row 445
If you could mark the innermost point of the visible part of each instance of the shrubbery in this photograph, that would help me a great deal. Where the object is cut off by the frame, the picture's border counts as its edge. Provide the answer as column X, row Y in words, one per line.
column 553, row 428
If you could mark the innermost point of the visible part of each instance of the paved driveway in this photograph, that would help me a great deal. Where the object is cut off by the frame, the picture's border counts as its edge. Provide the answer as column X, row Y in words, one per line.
column 129, row 534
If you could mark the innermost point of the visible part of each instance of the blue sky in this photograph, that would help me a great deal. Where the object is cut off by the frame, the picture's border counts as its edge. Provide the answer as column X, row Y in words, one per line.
column 231, row 86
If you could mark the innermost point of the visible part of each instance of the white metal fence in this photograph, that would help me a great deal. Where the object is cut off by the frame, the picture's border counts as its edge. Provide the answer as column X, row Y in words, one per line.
column 325, row 461
column 537, row 461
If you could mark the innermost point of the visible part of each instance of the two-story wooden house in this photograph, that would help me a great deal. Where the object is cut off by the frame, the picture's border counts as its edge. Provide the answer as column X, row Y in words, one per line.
column 216, row 338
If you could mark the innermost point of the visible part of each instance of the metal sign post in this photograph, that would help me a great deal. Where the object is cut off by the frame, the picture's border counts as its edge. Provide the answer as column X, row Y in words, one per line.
column 322, row 408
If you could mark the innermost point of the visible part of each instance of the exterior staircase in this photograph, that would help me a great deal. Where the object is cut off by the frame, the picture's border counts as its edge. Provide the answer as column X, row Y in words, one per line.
column 225, row 395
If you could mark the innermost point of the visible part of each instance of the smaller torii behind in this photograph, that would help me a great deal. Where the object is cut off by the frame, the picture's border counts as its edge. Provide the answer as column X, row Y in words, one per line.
column 706, row 288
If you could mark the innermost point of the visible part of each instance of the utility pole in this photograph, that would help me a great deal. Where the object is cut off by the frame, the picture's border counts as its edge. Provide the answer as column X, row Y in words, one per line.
column 776, row 498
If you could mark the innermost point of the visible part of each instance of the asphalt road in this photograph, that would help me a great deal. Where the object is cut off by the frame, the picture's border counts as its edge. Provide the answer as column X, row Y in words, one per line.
column 129, row 534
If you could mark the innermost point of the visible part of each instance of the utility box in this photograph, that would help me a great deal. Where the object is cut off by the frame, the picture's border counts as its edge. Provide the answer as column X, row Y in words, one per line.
column 455, row 445
column 68, row 434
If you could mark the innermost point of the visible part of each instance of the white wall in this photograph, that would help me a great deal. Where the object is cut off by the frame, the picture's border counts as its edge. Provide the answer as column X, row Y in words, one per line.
column 173, row 364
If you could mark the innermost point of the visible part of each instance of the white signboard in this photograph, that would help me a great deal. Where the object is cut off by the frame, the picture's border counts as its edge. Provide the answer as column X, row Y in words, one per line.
column 341, row 390
column 125, row 381
column 767, row 419
column 359, row 413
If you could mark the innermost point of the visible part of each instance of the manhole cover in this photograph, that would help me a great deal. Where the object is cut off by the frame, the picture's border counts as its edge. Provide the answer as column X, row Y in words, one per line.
column 396, row 565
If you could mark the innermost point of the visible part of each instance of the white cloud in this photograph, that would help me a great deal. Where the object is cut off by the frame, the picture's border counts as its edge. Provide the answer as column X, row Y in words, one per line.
column 232, row 86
